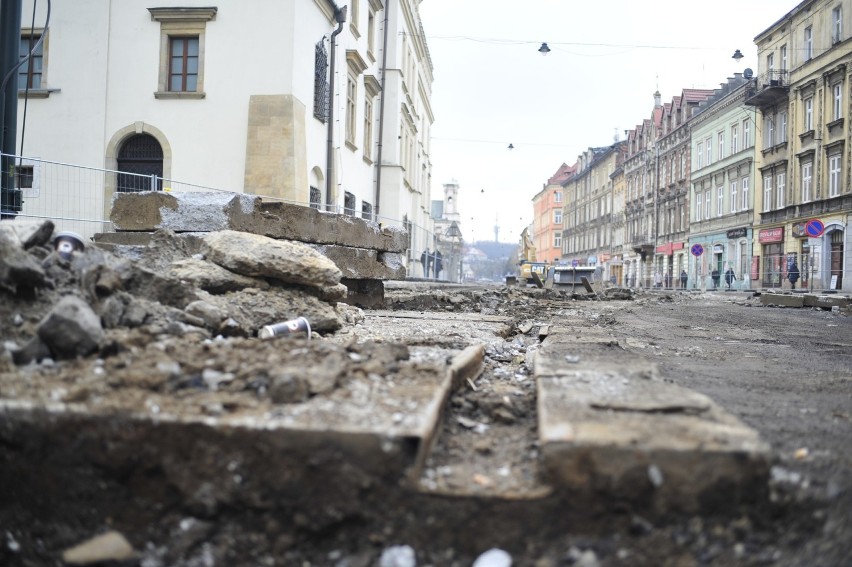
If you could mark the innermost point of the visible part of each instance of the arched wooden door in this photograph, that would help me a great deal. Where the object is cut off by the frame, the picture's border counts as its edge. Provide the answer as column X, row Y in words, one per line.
column 140, row 158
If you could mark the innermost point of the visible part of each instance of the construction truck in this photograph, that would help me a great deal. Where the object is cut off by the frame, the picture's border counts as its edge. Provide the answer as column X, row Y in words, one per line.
column 527, row 264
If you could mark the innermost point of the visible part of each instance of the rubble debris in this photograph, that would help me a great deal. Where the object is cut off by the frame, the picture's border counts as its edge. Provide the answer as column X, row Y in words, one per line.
column 398, row 556
column 71, row 329
column 494, row 557
column 110, row 546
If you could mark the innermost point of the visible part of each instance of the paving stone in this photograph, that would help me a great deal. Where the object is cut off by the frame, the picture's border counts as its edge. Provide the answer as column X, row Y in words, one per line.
column 782, row 299
column 607, row 423
column 825, row 301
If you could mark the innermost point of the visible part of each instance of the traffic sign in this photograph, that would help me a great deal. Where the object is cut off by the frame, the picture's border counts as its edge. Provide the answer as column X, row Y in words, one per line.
column 697, row 250
column 814, row 228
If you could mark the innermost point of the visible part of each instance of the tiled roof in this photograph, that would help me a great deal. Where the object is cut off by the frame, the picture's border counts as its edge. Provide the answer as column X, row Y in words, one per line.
column 564, row 172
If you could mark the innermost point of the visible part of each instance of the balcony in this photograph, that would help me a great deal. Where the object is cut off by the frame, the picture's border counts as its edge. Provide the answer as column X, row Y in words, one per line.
column 768, row 89
column 642, row 244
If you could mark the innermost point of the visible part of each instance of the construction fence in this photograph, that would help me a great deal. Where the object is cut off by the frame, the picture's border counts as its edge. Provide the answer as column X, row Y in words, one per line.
column 79, row 198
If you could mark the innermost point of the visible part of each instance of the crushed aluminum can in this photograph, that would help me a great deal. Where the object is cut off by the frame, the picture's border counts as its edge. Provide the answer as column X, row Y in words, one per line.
column 291, row 327
column 66, row 243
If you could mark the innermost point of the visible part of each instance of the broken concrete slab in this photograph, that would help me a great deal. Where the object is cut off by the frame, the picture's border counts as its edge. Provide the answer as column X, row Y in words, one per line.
column 206, row 212
column 259, row 256
column 363, row 263
column 782, row 300
column 158, row 424
column 611, row 426
column 825, row 301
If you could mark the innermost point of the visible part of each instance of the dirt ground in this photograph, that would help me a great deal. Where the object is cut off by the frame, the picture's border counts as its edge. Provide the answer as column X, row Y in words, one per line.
column 785, row 372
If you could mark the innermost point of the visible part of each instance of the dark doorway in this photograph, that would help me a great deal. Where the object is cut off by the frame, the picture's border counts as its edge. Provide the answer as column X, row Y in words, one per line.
column 140, row 157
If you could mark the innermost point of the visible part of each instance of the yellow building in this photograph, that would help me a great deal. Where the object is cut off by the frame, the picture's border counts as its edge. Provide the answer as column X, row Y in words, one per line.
column 803, row 204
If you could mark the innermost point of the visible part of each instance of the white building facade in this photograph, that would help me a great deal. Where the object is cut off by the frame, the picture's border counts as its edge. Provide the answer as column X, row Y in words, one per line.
column 306, row 101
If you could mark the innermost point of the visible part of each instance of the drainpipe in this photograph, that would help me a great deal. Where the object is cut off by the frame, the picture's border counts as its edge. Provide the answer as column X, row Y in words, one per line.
column 10, row 19
column 340, row 18
column 378, row 198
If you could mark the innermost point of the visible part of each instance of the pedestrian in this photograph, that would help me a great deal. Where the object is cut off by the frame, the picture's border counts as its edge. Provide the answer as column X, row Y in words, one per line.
column 658, row 280
column 730, row 277
column 439, row 264
column 426, row 261
column 668, row 279
column 683, row 278
column 715, row 276
column 793, row 274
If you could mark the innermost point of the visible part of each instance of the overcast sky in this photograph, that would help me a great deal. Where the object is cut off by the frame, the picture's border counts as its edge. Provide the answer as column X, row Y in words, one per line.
column 493, row 88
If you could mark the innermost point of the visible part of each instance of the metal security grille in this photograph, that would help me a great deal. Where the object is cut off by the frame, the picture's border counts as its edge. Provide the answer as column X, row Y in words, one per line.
column 140, row 160
column 321, row 82
column 316, row 198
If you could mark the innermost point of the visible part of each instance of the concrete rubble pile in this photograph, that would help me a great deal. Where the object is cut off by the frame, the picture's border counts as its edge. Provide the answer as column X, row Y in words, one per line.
column 235, row 284
column 365, row 252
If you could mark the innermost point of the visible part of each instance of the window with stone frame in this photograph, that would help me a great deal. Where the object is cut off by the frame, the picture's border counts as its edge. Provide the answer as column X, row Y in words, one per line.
column 734, row 140
column 351, row 116
column 31, row 73
column 807, row 180
column 767, row 192
column 745, row 196
column 834, row 172
column 349, row 203
column 372, row 87
column 355, row 66
column 321, row 86
column 182, row 50
column 837, row 101
column 720, row 200
column 836, row 25
column 808, row 43
column 809, row 114
column 734, row 186
column 780, row 190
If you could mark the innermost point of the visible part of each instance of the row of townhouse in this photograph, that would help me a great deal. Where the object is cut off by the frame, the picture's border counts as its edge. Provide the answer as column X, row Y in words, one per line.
column 315, row 102
column 753, row 177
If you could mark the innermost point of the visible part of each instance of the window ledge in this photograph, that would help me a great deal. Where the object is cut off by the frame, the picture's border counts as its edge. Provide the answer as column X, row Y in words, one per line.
column 834, row 124
column 36, row 93
column 367, row 160
column 176, row 94
column 351, row 146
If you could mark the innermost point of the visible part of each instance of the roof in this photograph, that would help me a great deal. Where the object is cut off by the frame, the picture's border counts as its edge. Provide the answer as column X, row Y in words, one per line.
column 564, row 172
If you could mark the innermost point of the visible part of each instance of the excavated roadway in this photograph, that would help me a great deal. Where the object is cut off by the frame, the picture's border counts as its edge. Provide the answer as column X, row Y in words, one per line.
column 681, row 430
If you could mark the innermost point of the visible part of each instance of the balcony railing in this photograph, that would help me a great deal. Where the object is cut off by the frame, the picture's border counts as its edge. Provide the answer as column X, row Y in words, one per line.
column 769, row 88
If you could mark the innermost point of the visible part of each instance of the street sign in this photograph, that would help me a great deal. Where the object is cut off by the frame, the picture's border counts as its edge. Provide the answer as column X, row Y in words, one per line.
column 697, row 250
column 814, row 228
